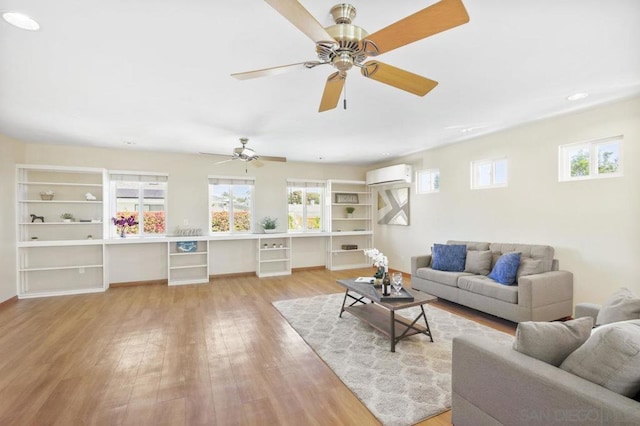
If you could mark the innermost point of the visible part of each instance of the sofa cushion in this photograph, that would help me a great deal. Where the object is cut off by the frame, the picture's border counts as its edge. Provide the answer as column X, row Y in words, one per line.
column 610, row 358
column 620, row 306
column 506, row 268
column 528, row 266
column 544, row 253
column 552, row 342
column 449, row 257
column 442, row 277
column 485, row 286
column 478, row 262
column 471, row 245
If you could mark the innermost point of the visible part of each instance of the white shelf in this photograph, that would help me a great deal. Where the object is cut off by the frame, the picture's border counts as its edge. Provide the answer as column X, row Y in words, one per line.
column 56, row 268
column 90, row 185
column 188, row 266
column 273, row 261
column 343, row 229
column 54, row 201
column 43, row 263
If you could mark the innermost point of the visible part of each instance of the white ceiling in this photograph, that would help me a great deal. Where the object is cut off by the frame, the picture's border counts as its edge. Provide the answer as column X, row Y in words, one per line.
column 157, row 73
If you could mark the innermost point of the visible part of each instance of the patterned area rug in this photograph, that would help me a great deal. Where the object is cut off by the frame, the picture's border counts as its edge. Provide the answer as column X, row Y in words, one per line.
column 400, row 388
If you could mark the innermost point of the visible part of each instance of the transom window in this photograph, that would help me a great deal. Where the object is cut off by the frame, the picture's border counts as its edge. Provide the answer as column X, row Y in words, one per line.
column 589, row 160
column 231, row 204
column 489, row 173
column 427, row 181
column 305, row 205
column 139, row 195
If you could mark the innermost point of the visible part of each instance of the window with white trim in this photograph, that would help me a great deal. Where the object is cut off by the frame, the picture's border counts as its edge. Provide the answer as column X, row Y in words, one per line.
column 590, row 160
column 138, row 195
column 305, row 205
column 427, row 181
column 231, row 204
column 492, row 173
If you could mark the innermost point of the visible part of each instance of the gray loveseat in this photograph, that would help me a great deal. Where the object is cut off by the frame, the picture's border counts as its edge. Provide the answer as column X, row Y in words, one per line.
column 492, row 384
column 543, row 296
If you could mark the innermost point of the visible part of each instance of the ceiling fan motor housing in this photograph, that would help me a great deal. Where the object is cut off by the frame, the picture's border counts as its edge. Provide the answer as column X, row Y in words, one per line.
column 348, row 50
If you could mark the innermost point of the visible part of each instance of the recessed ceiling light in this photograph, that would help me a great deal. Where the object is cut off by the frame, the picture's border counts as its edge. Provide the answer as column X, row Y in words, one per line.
column 577, row 96
column 386, row 154
column 129, row 143
column 21, row 20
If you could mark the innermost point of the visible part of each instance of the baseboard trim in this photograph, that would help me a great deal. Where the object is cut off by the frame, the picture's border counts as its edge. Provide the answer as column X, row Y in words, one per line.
column 138, row 283
column 8, row 302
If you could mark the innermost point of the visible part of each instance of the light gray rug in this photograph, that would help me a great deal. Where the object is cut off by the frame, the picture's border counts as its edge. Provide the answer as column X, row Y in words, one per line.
column 400, row 388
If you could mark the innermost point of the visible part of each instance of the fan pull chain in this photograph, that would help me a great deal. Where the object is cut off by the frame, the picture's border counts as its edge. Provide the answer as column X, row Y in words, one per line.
column 344, row 98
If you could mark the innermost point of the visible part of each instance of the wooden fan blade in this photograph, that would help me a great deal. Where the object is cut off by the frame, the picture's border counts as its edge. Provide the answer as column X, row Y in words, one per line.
column 332, row 91
column 300, row 17
column 267, row 158
column 267, row 71
column 399, row 78
column 256, row 163
column 438, row 17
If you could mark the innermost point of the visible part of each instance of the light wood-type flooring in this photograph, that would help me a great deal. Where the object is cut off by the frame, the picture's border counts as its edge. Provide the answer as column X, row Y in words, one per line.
column 209, row 354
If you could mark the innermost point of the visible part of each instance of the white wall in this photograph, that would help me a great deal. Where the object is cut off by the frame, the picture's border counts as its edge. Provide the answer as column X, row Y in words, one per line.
column 594, row 225
column 11, row 152
column 188, row 201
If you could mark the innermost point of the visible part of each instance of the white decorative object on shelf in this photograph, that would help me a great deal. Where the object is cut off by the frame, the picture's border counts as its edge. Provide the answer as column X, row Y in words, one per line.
column 90, row 197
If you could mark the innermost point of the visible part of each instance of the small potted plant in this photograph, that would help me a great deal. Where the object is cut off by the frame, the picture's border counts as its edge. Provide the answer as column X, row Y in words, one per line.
column 66, row 217
column 350, row 211
column 269, row 225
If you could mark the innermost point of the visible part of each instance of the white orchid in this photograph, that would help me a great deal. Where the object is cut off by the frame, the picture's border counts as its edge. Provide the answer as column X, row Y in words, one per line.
column 378, row 258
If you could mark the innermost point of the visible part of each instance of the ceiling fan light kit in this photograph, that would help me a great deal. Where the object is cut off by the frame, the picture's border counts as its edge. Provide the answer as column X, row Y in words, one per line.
column 345, row 45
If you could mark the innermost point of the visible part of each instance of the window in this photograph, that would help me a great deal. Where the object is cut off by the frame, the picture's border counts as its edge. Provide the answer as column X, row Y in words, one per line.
column 489, row 173
column 139, row 195
column 589, row 160
column 305, row 201
column 427, row 181
column 231, row 204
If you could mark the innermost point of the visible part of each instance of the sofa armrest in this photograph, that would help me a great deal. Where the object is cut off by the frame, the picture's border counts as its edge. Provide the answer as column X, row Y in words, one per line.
column 419, row 262
column 587, row 310
column 545, row 289
column 493, row 380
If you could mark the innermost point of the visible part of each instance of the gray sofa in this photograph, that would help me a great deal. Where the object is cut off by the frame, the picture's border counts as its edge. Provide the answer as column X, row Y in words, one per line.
column 492, row 384
column 544, row 296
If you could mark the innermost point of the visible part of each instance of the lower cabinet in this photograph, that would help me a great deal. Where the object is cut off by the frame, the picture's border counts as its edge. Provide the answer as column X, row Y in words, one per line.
column 188, row 262
column 274, row 256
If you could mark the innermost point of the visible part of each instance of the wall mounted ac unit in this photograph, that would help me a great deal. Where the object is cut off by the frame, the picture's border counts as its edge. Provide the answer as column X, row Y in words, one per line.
column 387, row 175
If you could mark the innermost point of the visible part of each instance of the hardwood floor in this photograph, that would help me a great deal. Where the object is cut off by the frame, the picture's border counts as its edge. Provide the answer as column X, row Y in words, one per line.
column 188, row 355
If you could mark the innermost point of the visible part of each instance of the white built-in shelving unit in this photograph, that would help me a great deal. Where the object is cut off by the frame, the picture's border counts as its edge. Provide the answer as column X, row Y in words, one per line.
column 274, row 255
column 356, row 230
column 56, row 256
column 188, row 267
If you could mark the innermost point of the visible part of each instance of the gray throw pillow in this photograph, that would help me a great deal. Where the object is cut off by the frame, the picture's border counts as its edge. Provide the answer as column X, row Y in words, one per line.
column 552, row 342
column 529, row 266
column 610, row 358
column 621, row 306
column 478, row 262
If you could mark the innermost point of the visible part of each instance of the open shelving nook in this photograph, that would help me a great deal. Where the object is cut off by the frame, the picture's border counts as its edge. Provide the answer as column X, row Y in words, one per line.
column 348, row 230
column 274, row 256
column 57, row 256
column 188, row 267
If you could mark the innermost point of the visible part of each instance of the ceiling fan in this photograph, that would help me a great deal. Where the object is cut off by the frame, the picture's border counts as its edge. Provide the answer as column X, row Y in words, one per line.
column 345, row 45
column 247, row 155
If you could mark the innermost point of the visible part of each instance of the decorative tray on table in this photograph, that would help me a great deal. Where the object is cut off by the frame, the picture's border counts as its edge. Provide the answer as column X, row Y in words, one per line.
column 404, row 296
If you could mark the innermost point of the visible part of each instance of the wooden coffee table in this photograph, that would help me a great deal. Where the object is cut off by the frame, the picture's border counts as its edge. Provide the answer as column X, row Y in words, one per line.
column 381, row 315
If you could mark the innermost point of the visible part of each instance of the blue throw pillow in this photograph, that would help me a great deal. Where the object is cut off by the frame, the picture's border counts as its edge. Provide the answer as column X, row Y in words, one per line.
column 506, row 268
column 449, row 257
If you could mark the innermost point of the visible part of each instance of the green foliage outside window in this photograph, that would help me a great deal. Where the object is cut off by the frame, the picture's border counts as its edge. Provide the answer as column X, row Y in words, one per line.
column 580, row 163
column 606, row 164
